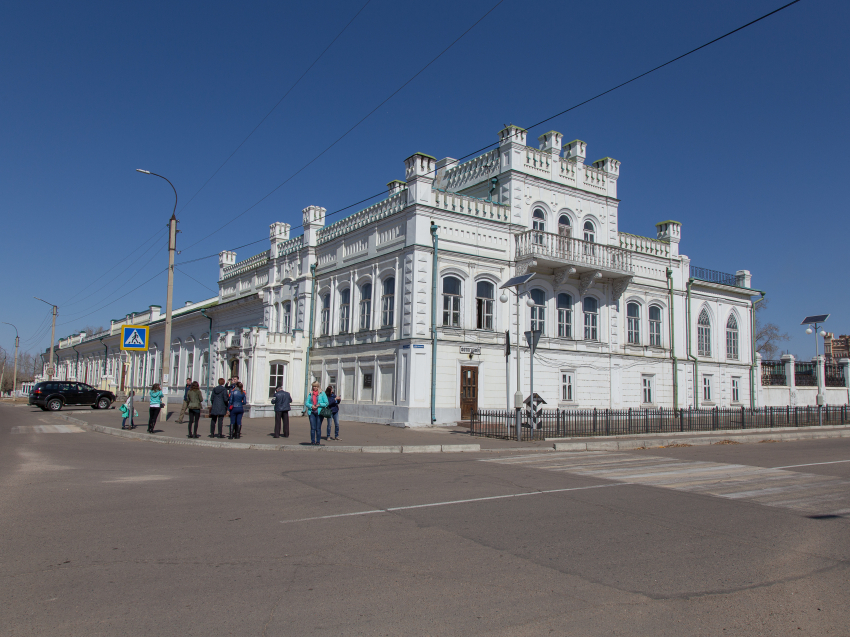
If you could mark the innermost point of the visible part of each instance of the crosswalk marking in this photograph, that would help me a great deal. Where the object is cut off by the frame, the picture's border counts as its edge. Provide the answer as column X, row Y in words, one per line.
column 48, row 429
column 804, row 492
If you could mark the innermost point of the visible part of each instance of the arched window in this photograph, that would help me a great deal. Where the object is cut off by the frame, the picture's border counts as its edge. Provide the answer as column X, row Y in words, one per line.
column 286, row 324
column 633, row 314
column 589, row 232
column 484, row 292
column 655, row 326
column 591, row 318
column 451, row 301
column 564, row 228
column 704, row 334
column 538, row 310
column 732, row 338
column 565, row 315
column 366, row 306
column 326, row 315
column 344, row 310
column 388, row 302
column 538, row 223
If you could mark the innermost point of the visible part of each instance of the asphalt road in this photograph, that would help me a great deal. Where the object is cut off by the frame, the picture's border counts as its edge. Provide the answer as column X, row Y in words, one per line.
column 106, row 536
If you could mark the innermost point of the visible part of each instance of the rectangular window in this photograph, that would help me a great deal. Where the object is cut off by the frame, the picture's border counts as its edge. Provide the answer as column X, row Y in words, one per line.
column 565, row 323
column 205, row 368
column 387, row 384
column 343, row 318
column 366, row 314
column 276, row 371
column 287, row 318
column 538, row 318
column 648, row 389
column 451, row 310
column 590, row 330
column 387, row 310
column 706, row 388
column 567, row 387
column 484, row 314
column 736, row 396
column 326, row 321
column 190, row 365
column 634, row 331
column 704, row 340
column 732, row 344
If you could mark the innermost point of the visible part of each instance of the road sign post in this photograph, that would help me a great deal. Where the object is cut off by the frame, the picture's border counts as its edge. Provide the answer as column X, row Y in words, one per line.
column 532, row 337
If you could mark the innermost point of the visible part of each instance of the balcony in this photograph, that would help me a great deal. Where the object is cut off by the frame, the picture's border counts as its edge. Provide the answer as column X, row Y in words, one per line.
column 547, row 250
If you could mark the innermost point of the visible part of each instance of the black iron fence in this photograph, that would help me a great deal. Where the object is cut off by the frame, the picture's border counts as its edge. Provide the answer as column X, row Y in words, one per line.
column 833, row 375
column 557, row 423
column 772, row 373
column 714, row 276
column 805, row 374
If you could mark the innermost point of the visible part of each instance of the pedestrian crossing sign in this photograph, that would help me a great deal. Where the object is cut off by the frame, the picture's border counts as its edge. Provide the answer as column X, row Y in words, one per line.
column 134, row 338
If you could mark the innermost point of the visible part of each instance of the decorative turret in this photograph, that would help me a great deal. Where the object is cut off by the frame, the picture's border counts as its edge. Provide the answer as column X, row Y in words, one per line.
column 396, row 186
column 551, row 142
column 576, row 150
column 608, row 165
column 671, row 232
column 278, row 233
column 225, row 259
column 512, row 135
column 419, row 173
column 313, row 220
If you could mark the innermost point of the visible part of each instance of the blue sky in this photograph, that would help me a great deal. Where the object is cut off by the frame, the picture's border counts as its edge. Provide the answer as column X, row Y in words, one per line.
column 744, row 142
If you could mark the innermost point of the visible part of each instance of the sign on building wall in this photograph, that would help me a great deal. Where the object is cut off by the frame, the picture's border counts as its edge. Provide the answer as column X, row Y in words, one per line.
column 134, row 338
column 469, row 349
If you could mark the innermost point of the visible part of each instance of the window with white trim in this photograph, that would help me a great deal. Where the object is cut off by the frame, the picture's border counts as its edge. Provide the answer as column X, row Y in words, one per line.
column 286, row 326
column 276, row 377
column 704, row 334
column 732, row 338
column 565, row 315
column 567, row 386
column 484, row 293
column 366, row 306
column 633, row 315
column 706, row 388
column 538, row 223
column 648, row 389
column 388, row 302
column 538, row 310
column 451, row 301
column 326, row 315
column 736, row 389
column 654, row 326
column 344, row 310
column 591, row 318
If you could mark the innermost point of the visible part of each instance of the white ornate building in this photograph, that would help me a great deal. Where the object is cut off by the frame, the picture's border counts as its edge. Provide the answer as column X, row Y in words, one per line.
column 626, row 320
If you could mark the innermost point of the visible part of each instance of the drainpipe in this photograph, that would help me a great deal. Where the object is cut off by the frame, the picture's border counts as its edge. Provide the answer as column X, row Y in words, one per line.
column 209, row 356
column 434, row 238
column 309, row 338
column 753, row 353
column 673, row 342
column 493, row 183
column 690, row 356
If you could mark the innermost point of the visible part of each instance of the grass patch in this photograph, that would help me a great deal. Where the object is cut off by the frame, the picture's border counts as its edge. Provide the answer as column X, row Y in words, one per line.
column 727, row 442
column 768, row 440
column 678, row 444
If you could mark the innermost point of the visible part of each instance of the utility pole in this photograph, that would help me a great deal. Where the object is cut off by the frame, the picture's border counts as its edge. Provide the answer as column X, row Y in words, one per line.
column 50, row 369
column 172, row 248
column 15, row 377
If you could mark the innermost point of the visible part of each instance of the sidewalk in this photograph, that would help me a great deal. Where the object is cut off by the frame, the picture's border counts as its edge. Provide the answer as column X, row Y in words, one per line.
column 259, row 431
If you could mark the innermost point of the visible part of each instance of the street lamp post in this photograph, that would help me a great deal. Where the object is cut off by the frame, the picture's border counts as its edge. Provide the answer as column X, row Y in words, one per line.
column 15, row 376
column 172, row 248
column 50, row 369
column 513, row 286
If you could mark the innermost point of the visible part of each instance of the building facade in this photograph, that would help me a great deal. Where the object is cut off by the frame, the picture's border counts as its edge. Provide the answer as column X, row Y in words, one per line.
column 400, row 305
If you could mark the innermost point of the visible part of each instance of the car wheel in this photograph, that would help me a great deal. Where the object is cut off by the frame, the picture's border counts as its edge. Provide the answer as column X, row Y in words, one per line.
column 102, row 403
column 54, row 404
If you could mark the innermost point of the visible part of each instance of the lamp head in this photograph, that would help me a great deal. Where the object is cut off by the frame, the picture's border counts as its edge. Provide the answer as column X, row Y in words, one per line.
column 503, row 298
column 823, row 332
column 809, row 330
column 139, row 170
column 529, row 302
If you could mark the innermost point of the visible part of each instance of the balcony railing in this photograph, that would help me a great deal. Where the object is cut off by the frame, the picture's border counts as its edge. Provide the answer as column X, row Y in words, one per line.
column 556, row 247
column 713, row 276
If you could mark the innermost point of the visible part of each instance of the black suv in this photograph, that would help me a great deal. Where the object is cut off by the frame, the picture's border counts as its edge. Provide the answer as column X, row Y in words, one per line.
column 53, row 395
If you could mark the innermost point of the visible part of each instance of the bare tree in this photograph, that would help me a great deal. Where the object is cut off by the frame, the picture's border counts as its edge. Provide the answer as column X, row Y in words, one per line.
column 90, row 329
column 768, row 336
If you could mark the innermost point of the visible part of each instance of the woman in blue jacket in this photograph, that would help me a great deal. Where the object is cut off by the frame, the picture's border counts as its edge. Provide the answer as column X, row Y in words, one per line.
column 236, row 405
column 333, row 403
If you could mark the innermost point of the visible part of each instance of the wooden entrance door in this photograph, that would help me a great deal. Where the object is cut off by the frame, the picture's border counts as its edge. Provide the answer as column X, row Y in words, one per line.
column 468, row 391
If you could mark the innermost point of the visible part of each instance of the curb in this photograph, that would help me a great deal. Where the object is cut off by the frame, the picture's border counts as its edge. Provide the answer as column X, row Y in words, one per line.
column 654, row 443
column 270, row 447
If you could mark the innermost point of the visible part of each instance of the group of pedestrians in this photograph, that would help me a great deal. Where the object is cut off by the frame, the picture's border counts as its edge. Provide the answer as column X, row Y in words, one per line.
column 228, row 398
column 322, row 405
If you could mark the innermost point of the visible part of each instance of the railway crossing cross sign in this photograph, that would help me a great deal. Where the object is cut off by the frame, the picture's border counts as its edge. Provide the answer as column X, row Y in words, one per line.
column 134, row 338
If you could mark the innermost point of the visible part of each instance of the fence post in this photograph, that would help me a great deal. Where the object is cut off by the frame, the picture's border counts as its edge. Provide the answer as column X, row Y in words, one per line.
column 594, row 420
column 630, row 420
column 744, row 418
column 716, row 418
column 607, row 422
column 646, row 421
column 820, row 416
column 681, row 419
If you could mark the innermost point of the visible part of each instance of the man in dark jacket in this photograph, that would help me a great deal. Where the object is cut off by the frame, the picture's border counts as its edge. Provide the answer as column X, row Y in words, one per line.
column 185, row 406
column 282, row 402
column 218, row 408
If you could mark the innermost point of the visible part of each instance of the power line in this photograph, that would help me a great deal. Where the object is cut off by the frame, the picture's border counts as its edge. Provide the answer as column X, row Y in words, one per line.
column 543, row 121
column 276, row 105
column 196, row 281
column 346, row 133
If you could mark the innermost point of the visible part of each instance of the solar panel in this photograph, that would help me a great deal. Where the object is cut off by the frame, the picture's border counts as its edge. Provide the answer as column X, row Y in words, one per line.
column 516, row 281
column 817, row 318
